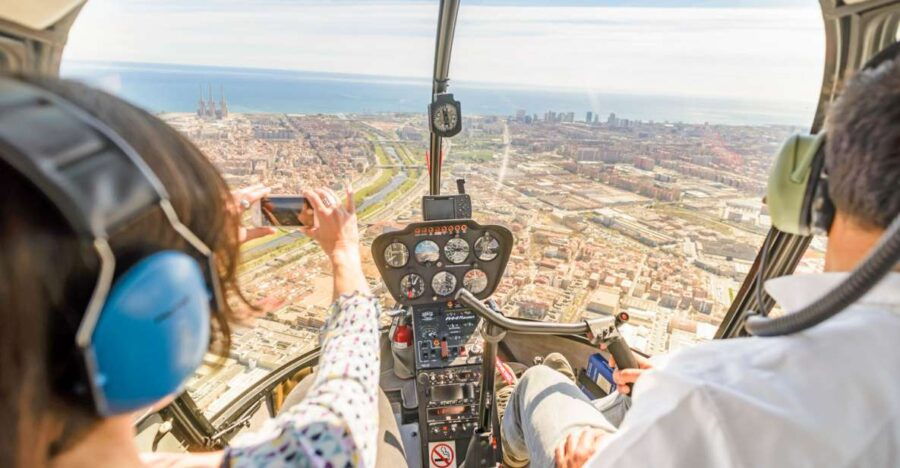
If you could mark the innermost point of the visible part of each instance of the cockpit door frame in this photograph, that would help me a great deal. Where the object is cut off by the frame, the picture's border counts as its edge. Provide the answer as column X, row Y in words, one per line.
column 853, row 33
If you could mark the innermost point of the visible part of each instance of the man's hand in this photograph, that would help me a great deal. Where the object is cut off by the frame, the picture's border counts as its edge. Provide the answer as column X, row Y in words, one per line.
column 625, row 378
column 578, row 447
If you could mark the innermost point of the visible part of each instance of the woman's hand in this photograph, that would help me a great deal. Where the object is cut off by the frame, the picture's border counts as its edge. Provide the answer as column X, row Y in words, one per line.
column 335, row 228
column 243, row 199
column 334, row 224
column 625, row 378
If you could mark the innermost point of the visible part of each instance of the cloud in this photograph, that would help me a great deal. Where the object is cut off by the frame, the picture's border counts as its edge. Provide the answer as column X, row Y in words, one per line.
column 766, row 53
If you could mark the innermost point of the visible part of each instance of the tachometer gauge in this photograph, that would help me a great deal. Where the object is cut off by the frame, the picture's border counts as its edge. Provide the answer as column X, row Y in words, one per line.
column 487, row 248
column 412, row 286
column 443, row 283
column 427, row 251
column 456, row 250
column 475, row 281
column 396, row 255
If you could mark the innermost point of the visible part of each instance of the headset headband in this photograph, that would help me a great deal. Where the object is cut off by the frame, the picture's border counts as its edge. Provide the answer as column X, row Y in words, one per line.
column 93, row 176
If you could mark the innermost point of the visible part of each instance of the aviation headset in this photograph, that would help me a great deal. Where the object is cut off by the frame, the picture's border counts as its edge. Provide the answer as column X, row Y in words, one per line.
column 799, row 203
column 145, row 331
column 797, row 192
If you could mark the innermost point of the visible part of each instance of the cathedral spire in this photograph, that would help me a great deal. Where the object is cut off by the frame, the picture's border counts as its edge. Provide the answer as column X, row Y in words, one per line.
column 223, row 106
column 201, row 106
column 210, row 104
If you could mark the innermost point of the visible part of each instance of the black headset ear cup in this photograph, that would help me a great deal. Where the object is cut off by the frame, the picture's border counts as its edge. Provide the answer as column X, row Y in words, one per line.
column 817, row 210
column 822, row 209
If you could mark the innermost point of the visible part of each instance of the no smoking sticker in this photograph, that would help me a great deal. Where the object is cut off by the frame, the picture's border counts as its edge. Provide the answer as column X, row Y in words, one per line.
column 441, row 455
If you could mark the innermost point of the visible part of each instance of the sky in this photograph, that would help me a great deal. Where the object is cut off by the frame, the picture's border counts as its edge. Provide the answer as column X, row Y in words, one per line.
column 745, row 49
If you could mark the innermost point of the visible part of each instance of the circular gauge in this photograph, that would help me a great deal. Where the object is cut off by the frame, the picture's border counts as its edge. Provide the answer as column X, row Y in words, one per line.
column 412, row 286
column 456, row 250
column 396, row 255
column 427, row 251
column 475, row 281
column 445, row 117
column 487, row 248
column 443, row 283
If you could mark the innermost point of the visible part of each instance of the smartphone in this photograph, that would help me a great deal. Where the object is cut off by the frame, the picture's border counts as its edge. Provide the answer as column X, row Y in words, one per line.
column 280, row 210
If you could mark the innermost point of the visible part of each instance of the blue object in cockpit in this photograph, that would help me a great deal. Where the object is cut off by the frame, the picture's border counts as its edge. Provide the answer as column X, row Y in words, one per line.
column 600, row 372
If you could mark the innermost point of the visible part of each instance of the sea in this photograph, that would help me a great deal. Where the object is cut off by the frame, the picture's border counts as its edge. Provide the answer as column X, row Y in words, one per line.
column 162, row 88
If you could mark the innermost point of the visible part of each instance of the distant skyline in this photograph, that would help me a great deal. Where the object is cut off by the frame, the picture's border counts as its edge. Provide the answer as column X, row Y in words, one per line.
column 752, row 50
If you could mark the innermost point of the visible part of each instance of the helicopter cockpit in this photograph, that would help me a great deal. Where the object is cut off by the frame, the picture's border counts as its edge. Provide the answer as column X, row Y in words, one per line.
column 563, row 233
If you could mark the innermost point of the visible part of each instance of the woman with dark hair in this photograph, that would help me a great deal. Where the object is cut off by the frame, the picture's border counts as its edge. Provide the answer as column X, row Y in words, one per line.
column 47, row 277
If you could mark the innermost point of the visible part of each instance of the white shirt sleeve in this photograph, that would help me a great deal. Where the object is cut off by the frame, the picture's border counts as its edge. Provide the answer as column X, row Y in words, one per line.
column 673, row 422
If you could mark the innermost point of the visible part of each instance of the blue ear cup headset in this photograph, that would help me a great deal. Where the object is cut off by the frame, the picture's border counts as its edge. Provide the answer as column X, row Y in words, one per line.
column 146, row 331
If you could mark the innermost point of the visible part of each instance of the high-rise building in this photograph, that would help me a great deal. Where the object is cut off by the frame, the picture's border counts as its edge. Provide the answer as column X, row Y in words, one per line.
column 520, row 115
column 589, row 117
column 612, row 121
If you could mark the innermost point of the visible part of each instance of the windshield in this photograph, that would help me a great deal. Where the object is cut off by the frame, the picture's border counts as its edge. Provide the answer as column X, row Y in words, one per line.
column 627, row 147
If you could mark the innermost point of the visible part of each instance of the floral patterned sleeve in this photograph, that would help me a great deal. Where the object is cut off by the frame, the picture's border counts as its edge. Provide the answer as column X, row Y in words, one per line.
column 336, row 424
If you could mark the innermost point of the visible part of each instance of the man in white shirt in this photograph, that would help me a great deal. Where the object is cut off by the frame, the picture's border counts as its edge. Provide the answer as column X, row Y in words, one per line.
column 827, row 396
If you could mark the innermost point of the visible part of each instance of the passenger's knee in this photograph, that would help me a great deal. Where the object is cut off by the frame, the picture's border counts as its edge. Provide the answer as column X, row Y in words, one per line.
column 541, row 375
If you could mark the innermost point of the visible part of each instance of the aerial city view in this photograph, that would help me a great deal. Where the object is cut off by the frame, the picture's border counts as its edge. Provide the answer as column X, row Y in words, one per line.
column 659, row 219
column 630, row 168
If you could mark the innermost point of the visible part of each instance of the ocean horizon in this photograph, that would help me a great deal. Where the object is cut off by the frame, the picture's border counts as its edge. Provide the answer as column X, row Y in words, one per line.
column 163, row 88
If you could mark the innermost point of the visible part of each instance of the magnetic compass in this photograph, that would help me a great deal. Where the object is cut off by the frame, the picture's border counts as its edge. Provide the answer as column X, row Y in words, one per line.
column 445, row 115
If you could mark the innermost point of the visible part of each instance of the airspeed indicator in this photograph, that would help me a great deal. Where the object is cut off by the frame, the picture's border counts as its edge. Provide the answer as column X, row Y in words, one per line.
column 396, row 255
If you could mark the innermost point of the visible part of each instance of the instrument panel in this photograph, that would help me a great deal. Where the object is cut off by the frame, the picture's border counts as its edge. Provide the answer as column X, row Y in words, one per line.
column 428, row 262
